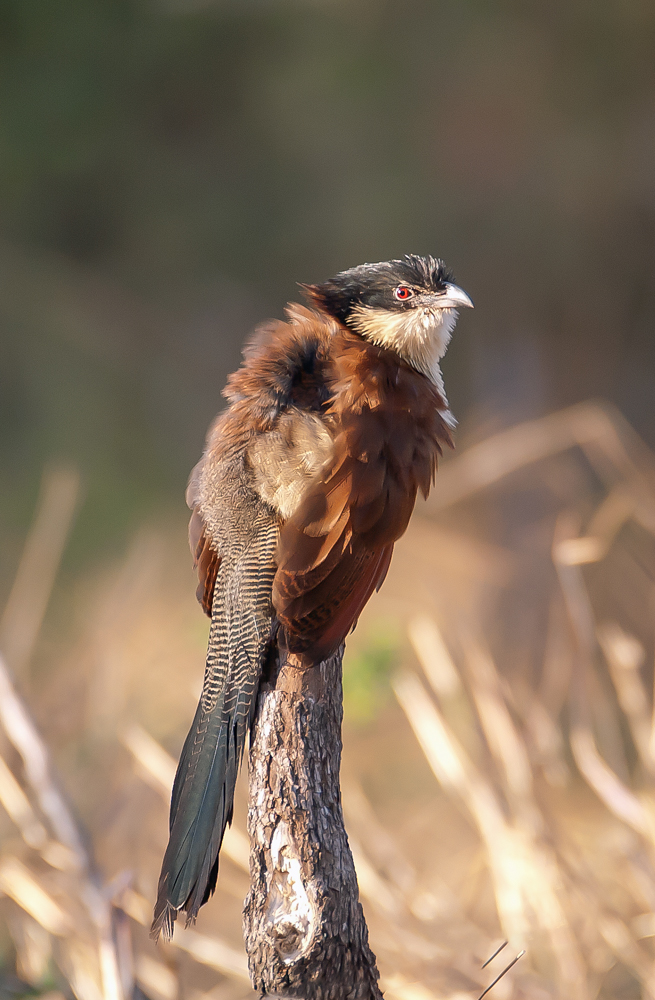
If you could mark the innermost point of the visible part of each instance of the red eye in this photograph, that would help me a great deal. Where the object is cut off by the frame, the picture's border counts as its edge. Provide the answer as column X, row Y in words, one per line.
column 403, row 292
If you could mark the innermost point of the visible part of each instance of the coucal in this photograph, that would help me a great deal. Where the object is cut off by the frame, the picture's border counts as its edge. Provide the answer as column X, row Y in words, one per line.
column 336, row 419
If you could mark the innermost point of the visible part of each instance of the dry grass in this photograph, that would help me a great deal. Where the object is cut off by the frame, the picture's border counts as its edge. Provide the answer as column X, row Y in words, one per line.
column 507, row 794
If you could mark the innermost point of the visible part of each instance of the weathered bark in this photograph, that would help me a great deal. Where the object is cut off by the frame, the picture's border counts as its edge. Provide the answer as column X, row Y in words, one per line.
column 305, row 932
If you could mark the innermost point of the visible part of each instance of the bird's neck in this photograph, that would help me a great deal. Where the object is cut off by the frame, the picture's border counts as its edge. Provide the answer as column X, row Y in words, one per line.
column 418, row 336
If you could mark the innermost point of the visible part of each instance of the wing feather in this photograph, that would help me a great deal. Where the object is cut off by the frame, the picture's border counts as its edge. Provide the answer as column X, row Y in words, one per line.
column 336, row 548
column 206, row 560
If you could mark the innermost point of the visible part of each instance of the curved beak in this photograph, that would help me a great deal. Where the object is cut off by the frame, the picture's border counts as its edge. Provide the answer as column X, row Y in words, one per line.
column 453, row 298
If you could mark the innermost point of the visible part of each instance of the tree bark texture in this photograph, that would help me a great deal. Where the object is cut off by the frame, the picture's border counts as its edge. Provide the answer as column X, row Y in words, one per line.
column 305, row 932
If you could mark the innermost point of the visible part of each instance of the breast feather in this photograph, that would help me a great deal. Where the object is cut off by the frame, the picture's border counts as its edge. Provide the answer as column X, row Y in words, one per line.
column 287, row 459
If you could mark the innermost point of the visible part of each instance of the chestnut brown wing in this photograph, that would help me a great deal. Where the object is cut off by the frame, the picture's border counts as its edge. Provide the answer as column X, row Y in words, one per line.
column 206, row 560
column 336, row 549
column 388, row 428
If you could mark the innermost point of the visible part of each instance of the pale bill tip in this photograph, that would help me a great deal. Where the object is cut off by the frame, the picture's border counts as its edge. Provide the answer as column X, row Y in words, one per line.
column 456, row 298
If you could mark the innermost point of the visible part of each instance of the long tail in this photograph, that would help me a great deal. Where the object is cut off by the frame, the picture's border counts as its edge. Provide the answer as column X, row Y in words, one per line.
column 203, row 792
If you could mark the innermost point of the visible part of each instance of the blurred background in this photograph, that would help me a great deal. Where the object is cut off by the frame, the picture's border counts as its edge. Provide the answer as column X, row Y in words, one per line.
column 169, row 170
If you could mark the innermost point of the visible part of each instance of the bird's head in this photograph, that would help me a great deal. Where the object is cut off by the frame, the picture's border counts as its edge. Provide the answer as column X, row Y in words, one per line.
column 408, row 306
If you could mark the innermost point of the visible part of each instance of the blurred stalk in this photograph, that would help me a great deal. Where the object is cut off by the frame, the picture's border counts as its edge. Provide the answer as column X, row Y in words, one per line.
column 23, row 615
column 625, row 656
column 618, row 798
column 23, row 734
column 521, row 859
column 38, row 772
column 616, row 452
column 19, row 629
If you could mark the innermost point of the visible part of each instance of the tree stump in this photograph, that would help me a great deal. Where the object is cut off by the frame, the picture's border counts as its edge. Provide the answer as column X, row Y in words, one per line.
column 305, row 932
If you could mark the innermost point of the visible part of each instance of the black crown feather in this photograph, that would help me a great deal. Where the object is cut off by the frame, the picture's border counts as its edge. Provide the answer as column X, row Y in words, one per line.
column 373, row 284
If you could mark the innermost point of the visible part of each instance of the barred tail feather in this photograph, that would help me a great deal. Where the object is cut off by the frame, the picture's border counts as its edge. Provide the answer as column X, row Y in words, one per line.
column 203, row 791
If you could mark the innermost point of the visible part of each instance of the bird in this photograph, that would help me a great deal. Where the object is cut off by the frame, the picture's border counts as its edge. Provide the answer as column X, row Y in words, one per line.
column 335, row 421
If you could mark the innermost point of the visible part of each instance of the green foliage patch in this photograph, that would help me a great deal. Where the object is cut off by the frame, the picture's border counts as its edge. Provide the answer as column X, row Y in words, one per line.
column 367, row 671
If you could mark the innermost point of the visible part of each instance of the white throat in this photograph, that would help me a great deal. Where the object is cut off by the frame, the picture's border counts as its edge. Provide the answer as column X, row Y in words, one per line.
column 420, row 336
